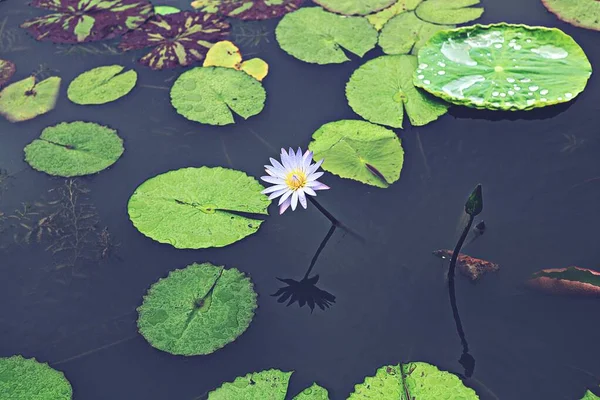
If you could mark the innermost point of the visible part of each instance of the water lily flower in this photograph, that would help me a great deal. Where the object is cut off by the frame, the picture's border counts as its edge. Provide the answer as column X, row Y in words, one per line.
column 293, row 178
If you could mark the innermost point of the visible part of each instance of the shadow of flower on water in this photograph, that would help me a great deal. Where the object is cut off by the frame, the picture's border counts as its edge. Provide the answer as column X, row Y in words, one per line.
column 304, row 292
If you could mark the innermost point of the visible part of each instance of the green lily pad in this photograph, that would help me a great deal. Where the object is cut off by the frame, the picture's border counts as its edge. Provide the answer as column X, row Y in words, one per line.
column 101, row 85
column 7, row 70
column 194, row 208
column 381, row 89
column 317, row 36
column 589, row 395
column 359, row 150
column 354, row 7
column 74, row 149
column 421, row 381
column 582, row 13
column 210, row 94
column 315, row 392
column 27, row 379
column 503, row 67
column 197, row 310
column 165, row 10
column 408, row 24
column 26, row 99
column 265, row 385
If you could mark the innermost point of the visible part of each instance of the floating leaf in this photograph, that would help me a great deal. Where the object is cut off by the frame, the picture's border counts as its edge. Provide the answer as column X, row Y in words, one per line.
column 165, row 10
column 194, row 208
column 359, row 150
column 582, row 13
column 567, row 281
column 7, row 70
column 265, row 385
column 178, row 39
column 207, row 6
column 503, row 67
column 589, row 395
column 315, row 392
column 448, row 11
column 197, row 310
column 354, row 7
column 256, row 68
column 257, row 9
column 78, row 21
column 407, row 33
column 210, row 94
column 317, row 36
column 421, row 381
column 379, row 19
column 28, row 379
column 74, row 149
column 226, row 54
column 381, row 89
column 26, row 99
column 471, row 267
column 101, row 85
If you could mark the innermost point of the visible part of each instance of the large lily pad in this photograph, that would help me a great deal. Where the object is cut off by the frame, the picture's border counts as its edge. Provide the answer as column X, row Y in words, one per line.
column 178, row 39
column 317, row 36
column 567, row 281
column 381, row 89
column 7, row 70
column 197, row 310
column 28, row 379
column 264, row 385
column 582, row 13
column 408, row 24
column 420, row 381
column 26, row 99
column 354, row 7
column 194, row 208
column 101, row 85
column 503, row 67
column 257, row 9
column 359, row 150
column 74, row 149
column 211, row 95
column 314, row 392
column 78, row 21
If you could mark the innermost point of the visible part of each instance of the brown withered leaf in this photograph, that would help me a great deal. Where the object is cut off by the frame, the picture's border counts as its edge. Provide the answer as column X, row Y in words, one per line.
column 471, row 267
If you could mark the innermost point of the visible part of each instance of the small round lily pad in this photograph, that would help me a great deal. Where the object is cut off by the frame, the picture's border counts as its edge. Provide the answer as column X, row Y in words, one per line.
column 314, row 35
column 197, row 310
column 264, row 385
column 101, row 85
column 354, row 7
column 74, row 149
column 27, row 379
column 211, row 95
column 581, row 13
column 7, row 70
column 26, row 99
column 359, row 150
column 421, row 381
column 381, row 89
column 314, row 392
column 223, row 54
column 503, row 67
column 166, row 10
column 194, row 208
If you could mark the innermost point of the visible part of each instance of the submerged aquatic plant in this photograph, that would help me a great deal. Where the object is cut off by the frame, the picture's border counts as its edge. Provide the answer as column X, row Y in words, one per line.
column 293, row 179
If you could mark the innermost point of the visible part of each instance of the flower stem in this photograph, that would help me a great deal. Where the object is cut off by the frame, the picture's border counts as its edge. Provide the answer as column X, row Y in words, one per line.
column 319, row 250
column 334, row 221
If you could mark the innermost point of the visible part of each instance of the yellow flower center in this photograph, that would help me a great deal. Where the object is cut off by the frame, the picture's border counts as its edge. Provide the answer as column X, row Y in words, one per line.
column 295, row 179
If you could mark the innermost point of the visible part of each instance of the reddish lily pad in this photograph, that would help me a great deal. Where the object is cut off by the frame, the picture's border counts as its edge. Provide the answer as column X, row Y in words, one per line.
column 567, row 281
column 178, row 39
column 79, row 21
column 471, row 267
column 7, row 70
column 253, row 10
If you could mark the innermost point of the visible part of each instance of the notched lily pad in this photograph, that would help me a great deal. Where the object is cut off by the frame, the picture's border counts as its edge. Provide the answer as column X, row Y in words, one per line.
column 379, row 19
column 381, row 89
column 78, row 21
column 197, row 310
column 195, row 208
column 317, row 36
column 7, row 70
column 419, row 380
column 407, row 33
column 226, row 54
column 178, row 39
column 271, row 384
column 74, row 149
column 448, row 11
column 26, row 99
column 582, row 13
column 314, row 392
column 101, row 85
column 359, row 150
column 211, row 95
column 166, row 10
column 503, row 67
column 253, row 10
column 567, row 281
column 27, row 379
column 354, row 7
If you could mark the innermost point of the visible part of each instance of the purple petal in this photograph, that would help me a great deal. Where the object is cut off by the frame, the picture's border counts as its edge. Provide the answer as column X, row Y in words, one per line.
column 294, row 200
column 284, row 206
column 273, row 180
column 273, row 172
column 278, row 193
column 315, row 166
column 309, row 191
column 307, row 159
column 316, row 185
column 314, row 176
column 277, row 165
column 302, row 198
column 285, row 196
column 286, row 160
column 274, row 189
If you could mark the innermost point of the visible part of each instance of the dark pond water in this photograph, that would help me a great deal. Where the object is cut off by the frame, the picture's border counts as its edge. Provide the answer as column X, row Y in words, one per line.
column 392, row 300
